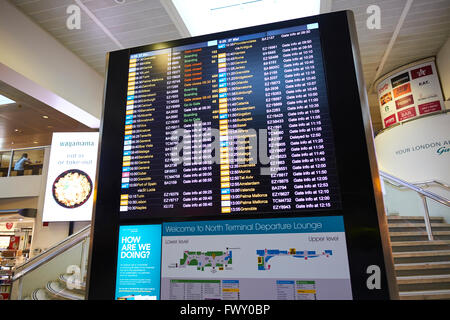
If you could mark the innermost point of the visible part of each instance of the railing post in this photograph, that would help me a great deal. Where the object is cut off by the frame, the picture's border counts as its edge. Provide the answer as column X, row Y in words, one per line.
column 10, row 163
column 83, row 262
column 19, row 296
column 427, row 218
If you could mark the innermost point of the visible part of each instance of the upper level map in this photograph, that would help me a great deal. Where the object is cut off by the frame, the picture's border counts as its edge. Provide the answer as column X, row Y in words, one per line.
column 265, row 255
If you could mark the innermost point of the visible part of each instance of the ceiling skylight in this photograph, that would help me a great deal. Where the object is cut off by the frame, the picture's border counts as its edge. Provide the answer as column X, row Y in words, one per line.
column 209, row 16
column 5, row 100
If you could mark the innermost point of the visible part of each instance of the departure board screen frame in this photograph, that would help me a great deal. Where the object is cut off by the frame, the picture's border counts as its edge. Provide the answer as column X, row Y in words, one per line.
column 360, row 201
column 233, row 103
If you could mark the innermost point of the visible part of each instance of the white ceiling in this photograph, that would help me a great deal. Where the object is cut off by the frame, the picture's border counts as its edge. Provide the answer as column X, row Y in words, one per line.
column 423, row 32
column 133, row 23
column 139, row 22
column 25, row 222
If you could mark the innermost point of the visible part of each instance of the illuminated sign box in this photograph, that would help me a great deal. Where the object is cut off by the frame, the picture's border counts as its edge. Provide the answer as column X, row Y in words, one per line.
column 71, row 177
column 412, row 92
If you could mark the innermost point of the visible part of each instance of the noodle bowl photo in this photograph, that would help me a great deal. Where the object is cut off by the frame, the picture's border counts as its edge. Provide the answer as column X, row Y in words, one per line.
column 72, row 188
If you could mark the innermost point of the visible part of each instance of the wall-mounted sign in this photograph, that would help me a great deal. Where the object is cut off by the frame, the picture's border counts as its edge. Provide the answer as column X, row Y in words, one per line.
column 7, row 226
column 139, row 263
column 417, row 151
column 410, row 93
column 14, row 242
column 71, row 177
column 256, row 259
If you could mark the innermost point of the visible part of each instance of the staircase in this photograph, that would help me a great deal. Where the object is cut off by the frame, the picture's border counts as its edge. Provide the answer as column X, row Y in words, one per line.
column 58, row 273
column 422, row 267
column 59, row 290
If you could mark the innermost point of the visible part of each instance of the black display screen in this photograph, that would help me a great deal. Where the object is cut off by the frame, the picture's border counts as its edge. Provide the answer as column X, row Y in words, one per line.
column 218, row 133
column 238, row 125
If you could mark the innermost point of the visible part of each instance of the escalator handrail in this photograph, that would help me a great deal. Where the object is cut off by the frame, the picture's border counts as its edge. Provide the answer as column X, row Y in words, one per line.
column 51, row 253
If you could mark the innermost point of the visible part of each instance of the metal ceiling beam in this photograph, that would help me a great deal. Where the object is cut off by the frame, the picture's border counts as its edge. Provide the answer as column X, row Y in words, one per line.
column 176, row 18
column 391, row 42
column 99, row 23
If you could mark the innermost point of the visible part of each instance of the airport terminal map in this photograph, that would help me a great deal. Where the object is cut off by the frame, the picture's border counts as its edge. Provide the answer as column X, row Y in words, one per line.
column 214, row 260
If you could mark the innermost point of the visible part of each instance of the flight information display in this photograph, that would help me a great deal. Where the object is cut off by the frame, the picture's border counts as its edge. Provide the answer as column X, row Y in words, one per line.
column 230, row 126
column 240, row 165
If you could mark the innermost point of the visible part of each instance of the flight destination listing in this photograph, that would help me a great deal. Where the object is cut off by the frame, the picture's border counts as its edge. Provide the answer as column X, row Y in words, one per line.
column 220, row 97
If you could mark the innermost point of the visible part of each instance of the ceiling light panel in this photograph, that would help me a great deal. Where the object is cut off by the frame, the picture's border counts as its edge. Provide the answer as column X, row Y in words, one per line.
column 209, row 16
column 5, row 100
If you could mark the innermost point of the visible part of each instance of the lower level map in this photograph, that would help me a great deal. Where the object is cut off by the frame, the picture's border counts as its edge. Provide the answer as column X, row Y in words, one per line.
column 212, row 260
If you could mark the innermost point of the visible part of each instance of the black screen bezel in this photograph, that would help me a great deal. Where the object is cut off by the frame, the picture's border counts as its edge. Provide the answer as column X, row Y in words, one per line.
column 358, row 196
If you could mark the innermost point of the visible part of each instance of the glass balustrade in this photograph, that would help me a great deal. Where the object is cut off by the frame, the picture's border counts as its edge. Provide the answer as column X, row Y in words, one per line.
column 405, row 199
column 59, row 273
column 21, row 162
column 5, row 159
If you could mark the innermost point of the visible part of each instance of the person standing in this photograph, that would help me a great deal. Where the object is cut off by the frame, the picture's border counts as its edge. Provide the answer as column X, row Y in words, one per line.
column 19, row 166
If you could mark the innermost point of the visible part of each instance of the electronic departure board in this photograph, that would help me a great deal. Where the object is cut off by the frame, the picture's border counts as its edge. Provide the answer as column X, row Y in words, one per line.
column 229, row 126
column 240, row 165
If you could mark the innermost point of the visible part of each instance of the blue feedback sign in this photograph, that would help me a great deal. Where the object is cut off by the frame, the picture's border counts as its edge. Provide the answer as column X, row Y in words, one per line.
column 139, row 263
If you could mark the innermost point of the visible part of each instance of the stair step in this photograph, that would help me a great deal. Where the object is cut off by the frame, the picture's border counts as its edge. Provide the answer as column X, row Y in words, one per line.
column 64, row 278
column 417, row 233
column 411, row 227
column 39, row 294
column 422, row 268
column 423, row 279
column 425, row 295
column 419, row 243
column 426, row 245
column 59, row 292
column 423, row 282
column 417, row 225
column 421, row 253
column 414, row 218
column 423, row 265
column 421, row 256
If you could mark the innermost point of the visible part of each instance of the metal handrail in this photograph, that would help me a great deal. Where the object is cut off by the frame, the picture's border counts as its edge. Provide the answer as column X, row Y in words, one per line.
column 51, row 253
column 413, row 187
column 424, row 194
column 428, row 183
